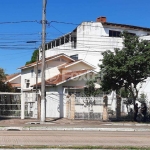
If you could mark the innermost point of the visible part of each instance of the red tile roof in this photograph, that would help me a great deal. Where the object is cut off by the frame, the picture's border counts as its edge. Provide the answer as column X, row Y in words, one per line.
column 125, row 25
column 63, row 77
column 66, row 64
column 48, row 58
column 8, row 77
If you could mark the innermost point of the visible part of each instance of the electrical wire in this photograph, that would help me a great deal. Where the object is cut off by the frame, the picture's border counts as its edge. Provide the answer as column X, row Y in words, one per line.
column 77, row 24
column 11, row 54
column 13, row 22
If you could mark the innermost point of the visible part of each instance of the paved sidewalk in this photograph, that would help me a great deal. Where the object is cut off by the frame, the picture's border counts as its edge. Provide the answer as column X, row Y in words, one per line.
column 67, row 124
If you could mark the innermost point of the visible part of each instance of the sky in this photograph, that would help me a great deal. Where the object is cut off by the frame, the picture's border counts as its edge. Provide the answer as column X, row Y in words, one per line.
column 20, row 22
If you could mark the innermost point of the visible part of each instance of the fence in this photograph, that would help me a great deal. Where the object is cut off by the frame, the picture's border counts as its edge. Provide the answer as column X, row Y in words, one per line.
column 88, row 108
column 10, row 104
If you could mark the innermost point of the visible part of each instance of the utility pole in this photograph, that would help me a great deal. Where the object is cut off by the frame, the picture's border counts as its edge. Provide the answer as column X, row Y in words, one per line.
column 37, row 59
column 43, row 102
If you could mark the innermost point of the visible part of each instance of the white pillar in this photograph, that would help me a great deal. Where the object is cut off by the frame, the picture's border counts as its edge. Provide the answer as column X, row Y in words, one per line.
column 22, row 105
column 43, row 110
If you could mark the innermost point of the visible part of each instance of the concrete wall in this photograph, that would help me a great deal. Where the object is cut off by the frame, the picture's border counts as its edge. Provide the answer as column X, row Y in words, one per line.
column 88, row 108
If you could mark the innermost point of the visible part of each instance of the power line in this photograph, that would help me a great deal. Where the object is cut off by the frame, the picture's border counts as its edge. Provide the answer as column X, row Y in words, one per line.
column 18, row 34
column 14, row 57
column 13, row 22
column 15, row 48
column 11, row 54
column 77, row 24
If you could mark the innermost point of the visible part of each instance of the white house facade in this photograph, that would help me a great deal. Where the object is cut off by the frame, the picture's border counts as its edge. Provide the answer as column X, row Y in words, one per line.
column 89, row 39
column 63, row 76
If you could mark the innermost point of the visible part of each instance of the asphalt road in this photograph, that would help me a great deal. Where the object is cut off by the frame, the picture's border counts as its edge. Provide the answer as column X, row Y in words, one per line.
column 74, row 138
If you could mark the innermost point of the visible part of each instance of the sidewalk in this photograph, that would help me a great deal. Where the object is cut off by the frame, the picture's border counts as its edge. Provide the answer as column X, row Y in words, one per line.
column 67, row 124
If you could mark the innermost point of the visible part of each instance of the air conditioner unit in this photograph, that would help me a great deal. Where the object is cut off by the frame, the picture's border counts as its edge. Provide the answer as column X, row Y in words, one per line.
column 27, row 81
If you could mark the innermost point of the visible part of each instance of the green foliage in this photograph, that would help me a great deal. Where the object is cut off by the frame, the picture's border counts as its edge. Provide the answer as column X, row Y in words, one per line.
column 34, row 57
column 128, row 100
column 90, row 90
column 4, row 87
column 2, row 75
column 143, row 98
column 124, row 93
column 126, row 67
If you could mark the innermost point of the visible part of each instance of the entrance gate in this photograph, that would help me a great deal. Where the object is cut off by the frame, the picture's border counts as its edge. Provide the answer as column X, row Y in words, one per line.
column 10, row 105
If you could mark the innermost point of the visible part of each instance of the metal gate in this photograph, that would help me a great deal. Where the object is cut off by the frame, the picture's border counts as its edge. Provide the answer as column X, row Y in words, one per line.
column 10, row 104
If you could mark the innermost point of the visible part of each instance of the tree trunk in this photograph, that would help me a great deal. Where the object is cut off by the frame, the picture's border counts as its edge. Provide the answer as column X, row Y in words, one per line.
column 118, row 107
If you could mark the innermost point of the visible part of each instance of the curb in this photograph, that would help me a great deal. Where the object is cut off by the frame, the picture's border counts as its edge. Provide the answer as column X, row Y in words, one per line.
column 72, row 129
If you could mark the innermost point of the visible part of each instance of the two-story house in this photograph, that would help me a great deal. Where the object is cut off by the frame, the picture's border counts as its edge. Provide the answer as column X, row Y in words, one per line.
column 63, row 75
column 89, row 39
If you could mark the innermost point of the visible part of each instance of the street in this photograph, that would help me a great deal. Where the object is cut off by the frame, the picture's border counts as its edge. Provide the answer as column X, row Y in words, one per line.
column 74, row 138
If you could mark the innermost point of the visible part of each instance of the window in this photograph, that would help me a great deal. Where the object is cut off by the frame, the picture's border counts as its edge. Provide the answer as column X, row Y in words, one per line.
column 74, row 39
column 73, row 42
column 49, row 45
column 57, row 42
column 39, row 73
column 75, row 57
column 66, row 38
column 114, row 33
column 62, row 40
column 32, row 73
column 53, row 44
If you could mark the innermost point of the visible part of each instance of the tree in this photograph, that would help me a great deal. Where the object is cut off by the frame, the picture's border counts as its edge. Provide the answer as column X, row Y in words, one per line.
column 2, row 75
column 90, row 89
column 4, row 87
column 126, row 67
column 128, row 100
column 34, row 57
column 143, row 98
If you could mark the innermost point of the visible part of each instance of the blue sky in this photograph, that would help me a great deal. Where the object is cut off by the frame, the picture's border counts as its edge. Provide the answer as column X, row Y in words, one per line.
column 13, row 36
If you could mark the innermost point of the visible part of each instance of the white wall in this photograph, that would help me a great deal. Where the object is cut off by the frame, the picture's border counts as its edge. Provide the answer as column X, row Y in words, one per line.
column 93, row 39
column 145, row 88
column 51, row 70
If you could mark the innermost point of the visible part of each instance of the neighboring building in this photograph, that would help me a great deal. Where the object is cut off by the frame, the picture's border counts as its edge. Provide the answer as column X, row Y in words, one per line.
column 15, row 81
column 88, row 40
column 63, row 76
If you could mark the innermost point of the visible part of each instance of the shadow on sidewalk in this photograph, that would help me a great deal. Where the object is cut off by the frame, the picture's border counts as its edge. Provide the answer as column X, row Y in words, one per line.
column 5, row 118
column 53, row 119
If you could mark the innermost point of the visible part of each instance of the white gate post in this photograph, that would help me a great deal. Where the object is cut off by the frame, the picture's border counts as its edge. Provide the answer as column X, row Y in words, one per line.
column 22, row 105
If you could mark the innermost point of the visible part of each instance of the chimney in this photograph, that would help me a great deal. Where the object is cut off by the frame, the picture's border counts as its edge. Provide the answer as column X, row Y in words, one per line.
column 101, row 19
